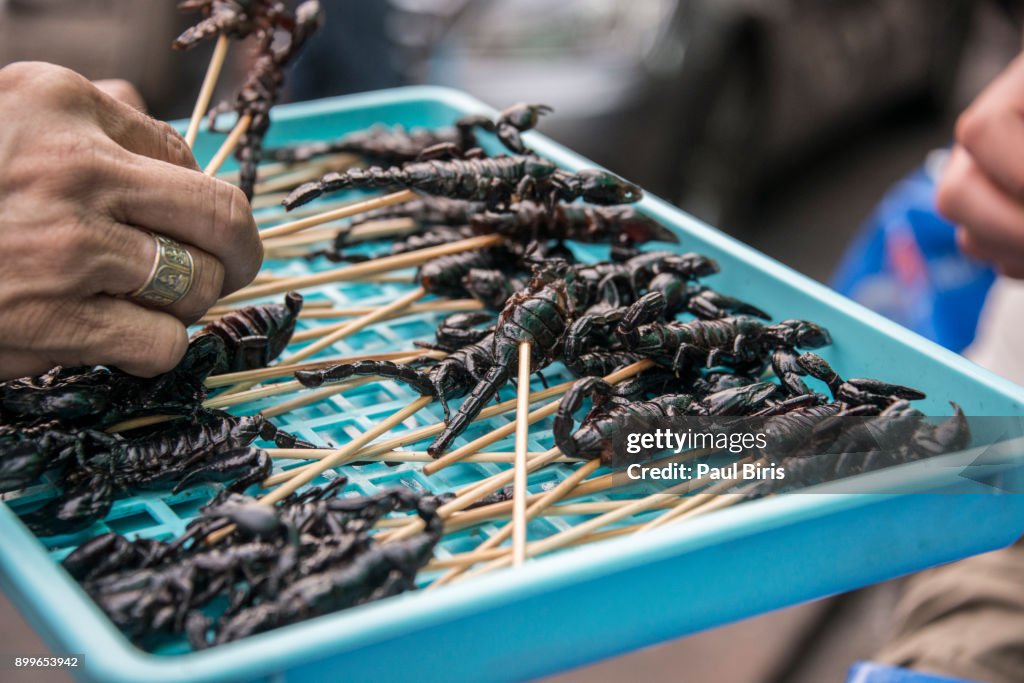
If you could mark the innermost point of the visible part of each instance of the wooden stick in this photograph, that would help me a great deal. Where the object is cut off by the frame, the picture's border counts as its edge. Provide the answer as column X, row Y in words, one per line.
column 229, row 145
column 440, row 306
column 263, row 221
column 353, row 326
column 690, row 503
column 139, row 422
column 579, row 531
column 474, row 493
column 218, row 312
column 472, row 557
column 225, row 400
column 345, row 453
column 260, row 374
column 498, row 511
column 268, row 201
column 294, row 177
column 535, row 416
column 343, row 212
column 522, row 445
column 548, row 499
column 417, row 435
column 316, row 396
column 220, row 52
column 360, row 270
column 398, row 456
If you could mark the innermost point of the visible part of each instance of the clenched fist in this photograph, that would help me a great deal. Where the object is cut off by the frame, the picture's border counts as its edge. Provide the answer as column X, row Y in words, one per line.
column 982, row 188
column 86, row 182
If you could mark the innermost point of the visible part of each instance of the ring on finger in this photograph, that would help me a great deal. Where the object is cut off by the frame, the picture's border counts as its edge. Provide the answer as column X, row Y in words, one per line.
column 170, row 278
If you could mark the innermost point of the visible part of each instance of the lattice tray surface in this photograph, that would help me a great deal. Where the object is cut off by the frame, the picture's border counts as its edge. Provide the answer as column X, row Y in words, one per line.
column 583, row 603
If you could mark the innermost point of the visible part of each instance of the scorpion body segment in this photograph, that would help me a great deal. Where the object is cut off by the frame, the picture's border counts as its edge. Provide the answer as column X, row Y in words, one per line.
column 255, row 335
column 593, row 438
column 579, row 222
column 740, row 341
column 540, row 315
column 384, row 146
column 262, row 87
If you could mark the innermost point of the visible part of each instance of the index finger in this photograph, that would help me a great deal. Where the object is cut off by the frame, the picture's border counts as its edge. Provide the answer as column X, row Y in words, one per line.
column 141, row 134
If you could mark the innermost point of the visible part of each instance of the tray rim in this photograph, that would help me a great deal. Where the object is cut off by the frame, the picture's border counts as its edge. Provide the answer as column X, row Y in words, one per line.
column 82, row 627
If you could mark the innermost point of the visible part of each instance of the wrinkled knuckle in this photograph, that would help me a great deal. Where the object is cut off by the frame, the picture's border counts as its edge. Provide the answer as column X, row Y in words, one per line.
column 55, row 85
column 177, row 150
column 73, row 250
column 82, row 169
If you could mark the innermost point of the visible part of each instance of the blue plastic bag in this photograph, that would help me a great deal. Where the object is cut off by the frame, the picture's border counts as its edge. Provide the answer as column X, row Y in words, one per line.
column 905, row 264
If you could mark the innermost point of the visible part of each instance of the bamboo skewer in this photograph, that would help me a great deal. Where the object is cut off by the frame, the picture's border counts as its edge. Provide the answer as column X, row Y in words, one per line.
column 345, row 453
column 544, row 502
column 417, row 435
column 301, row 212
column 494, row 553
column 360, row 270
column 230, row 400
column 220, row 53
column 315, row 396
column 270, row 200
column 353, row 326
column 690, row 503
column 440, row 306
column 299, row 174
column 229, row 145
column 498, row 511
column 364, row 232
column 396, row 456
column 260, row 374
column 621, row 510
column 535, row 416
column 522, row 444
column 474, row 493
column 342, row 212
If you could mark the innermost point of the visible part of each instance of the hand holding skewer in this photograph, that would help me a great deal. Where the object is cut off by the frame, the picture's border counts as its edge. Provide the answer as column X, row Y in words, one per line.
column 97, row 264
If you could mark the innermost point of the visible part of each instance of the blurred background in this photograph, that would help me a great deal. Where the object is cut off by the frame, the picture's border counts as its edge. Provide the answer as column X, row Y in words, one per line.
column 782, row 122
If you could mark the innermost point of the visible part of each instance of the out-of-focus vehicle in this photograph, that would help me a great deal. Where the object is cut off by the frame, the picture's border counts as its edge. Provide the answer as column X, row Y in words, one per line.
column 698, row 100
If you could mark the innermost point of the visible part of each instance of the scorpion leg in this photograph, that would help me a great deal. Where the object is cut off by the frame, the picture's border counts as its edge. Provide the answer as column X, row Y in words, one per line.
column 711, row 305
column 786, row 365
column 470, row 408
column 442, row 150
column 281, row 438
column 818, row 368
column 246, row 466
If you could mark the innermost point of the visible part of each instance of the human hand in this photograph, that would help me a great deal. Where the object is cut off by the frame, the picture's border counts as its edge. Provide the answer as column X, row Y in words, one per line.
column 83, row 177
column 982, row 187
column 122, row 91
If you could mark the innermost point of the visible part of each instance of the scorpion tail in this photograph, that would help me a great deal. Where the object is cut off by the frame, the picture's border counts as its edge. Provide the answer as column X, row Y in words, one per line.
column 381, row 368
column 469, row 409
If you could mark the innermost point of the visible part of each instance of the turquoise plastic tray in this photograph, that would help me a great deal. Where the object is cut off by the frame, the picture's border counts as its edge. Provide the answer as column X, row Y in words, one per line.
column 582, row 604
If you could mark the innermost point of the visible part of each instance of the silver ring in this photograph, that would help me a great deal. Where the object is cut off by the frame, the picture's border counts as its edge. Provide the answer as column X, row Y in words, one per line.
column 170, row 279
